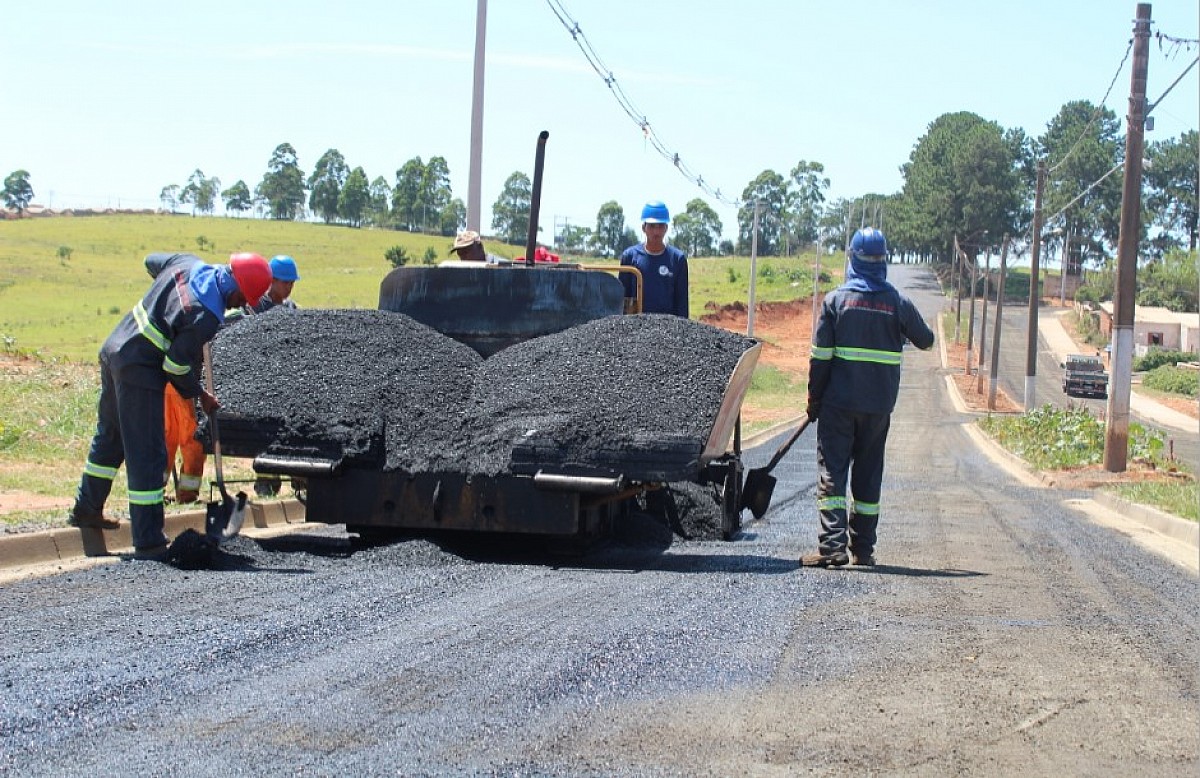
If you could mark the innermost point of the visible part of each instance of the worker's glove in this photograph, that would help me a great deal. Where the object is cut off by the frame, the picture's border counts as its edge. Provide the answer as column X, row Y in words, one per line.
column 208, row 402
column 814, row 409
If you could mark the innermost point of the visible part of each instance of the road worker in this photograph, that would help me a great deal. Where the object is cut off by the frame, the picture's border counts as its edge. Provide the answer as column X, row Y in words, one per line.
column 160, row 341
column 664, row 268
column 853, row 382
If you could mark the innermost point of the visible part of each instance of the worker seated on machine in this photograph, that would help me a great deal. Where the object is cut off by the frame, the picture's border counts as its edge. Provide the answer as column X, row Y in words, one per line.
column 469, row 248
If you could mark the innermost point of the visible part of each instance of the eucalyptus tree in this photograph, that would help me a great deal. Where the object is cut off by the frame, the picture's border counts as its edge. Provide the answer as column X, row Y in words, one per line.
column 355, row 197
column 610, row 229
column 697, row 230
column 434, row 193
column 282, row 187
column 511, row 211
column 237, row 197
column 453, row 217
column 380, row 201
column 807, row 187
column 201, row 192
column 769, row 190
column 18, row 192
column 325, row 185
column 406, row 196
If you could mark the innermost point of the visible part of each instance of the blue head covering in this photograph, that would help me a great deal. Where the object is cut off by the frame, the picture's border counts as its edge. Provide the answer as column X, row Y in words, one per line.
column 212, row 285
column 865, row 276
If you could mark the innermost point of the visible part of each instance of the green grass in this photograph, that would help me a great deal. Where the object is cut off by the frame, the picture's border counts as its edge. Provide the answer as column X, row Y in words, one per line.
column 1050, row 439
column 1178, row 499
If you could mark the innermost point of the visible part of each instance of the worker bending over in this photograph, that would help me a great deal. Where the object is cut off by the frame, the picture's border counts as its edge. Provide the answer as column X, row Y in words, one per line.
column 160, row 341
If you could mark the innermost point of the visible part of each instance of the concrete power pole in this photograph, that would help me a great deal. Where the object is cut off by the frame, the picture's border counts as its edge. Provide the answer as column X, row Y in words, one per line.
column 1116, row 432
column 994, row 373
column 474, row 186
column 1031, row 334
column 753, row 273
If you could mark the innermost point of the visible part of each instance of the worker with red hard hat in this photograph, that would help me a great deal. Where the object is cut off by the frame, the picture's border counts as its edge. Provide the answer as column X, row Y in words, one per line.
column 160, row 341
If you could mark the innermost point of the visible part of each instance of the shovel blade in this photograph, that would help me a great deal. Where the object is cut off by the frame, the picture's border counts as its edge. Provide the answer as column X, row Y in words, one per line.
column 757, row 491
column 216, row 517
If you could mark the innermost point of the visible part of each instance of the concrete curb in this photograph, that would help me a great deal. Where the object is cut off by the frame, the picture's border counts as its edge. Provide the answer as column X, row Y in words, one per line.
column 56, row 545
column 1161, row 522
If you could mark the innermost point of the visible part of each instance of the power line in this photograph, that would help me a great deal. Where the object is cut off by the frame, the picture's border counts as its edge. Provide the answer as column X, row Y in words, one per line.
column 1096, row 113
column 610, row 80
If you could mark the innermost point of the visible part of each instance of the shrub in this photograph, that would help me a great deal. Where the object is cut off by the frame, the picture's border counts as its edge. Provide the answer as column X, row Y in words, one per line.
column 430, row 256
column 397, row 255
column 1176, row 380
column 1157, row 357
column 1052, row 438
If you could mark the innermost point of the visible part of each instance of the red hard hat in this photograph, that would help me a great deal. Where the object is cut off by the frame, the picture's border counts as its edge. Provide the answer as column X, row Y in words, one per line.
column 252, row 274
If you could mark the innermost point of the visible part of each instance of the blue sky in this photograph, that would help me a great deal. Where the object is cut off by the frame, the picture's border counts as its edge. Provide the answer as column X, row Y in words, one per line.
column 104, row 107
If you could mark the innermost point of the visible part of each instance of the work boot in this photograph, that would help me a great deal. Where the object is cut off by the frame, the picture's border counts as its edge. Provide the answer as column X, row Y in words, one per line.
column 151, row 553
column 185, row 496
column 825, row 559
column 863, row 560
column 86, row 518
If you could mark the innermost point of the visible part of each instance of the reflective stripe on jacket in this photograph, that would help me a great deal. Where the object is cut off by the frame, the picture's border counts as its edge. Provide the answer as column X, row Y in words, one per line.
column 856, row 351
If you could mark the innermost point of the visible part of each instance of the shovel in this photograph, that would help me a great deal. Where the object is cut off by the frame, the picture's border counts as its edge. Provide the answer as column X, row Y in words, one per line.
column 222, row 520
column 760, row 484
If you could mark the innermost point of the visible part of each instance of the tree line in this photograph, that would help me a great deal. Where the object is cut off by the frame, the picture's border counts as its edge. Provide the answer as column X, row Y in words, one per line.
column 967, row 179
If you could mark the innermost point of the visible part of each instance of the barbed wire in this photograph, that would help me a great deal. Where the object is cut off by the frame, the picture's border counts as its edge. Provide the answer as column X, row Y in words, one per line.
column 639, row 118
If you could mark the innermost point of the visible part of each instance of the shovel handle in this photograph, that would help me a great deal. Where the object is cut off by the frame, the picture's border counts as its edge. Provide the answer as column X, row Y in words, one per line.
column 212, row 421
column 787, row 444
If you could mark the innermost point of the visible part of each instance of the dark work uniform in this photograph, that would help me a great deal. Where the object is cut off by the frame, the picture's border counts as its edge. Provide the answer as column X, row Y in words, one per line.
column 664, row 279
column 854, row 379
column 161, row 340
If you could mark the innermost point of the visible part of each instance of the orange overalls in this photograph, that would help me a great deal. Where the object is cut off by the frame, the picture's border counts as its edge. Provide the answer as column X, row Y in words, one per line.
column 179, row 417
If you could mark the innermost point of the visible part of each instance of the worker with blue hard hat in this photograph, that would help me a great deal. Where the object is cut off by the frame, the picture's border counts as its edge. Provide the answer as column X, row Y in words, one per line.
column 663, row 268
column 284, row 276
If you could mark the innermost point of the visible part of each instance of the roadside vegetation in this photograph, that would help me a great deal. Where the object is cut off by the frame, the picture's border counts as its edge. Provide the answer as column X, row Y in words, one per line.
column 1062, row 439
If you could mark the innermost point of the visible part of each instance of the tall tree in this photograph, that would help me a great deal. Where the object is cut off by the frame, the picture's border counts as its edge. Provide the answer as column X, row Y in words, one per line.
column 355, row 197
column 806, row 202
column 435, row 193
column 770, row 191
column 169, row 197
column 325, row 185
column 282, row 188
column 453, row 217
column 201, row 192
column 610, row 229
column 406, row 197
column 697, row 229
column 381, row 201
column 237, row 197
column 1083, row 144
column 1173, row 181
column 17, row 191
column 510, row 212
column 962, row 180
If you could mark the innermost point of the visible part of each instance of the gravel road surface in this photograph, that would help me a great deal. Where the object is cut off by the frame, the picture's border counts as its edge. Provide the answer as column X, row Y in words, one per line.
column 1002, row 634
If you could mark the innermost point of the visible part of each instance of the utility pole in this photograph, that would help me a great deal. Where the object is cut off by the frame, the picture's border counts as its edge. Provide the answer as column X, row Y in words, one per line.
column 1116, row 433
column 1031, row 335
column 474, row 186
column 971, row 314
column 753, row 272
column 1066, row 263
column 958, row 287
column 987, row 272
column 993, row 374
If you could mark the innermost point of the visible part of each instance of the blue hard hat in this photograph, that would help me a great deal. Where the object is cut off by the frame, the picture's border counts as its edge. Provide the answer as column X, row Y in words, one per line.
column 869, row 244
column 655, row 212
column 283, row 268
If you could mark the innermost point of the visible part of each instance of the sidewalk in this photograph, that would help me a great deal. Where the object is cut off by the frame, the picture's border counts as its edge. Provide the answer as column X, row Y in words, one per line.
column 1050, row 327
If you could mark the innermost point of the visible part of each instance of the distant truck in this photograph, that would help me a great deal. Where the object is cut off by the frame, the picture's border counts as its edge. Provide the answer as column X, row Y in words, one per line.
column 1084, row 376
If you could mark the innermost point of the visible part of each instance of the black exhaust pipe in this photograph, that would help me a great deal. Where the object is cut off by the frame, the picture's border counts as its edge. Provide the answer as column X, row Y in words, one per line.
column 535, row 199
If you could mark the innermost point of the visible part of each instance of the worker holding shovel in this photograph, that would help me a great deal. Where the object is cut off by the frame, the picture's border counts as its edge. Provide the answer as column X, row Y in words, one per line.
column 853, row 382
column 161, row 340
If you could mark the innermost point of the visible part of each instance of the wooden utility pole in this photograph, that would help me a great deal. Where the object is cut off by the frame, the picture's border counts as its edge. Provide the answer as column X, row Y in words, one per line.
column 995, row 371
column 1116, row 433
column 957, row 276
column 987, row 272
column 971, row 309
column 1031, row 334
column 753, row 273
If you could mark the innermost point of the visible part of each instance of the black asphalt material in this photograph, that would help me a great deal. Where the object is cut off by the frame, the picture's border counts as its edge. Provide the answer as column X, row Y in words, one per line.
column 596, row 392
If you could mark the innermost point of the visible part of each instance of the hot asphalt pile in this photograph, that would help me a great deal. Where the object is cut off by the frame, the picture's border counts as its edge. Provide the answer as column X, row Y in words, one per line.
column 596, row 397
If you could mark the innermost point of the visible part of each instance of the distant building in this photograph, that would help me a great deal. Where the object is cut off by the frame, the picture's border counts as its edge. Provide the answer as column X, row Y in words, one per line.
column 1155, row 327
